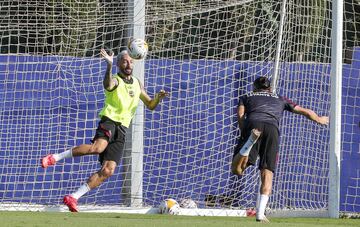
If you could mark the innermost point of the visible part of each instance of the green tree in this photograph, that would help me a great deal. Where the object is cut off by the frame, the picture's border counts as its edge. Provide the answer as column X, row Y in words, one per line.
column 72, row 26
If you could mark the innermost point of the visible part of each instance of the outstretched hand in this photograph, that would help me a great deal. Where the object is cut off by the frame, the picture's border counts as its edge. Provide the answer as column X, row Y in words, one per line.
column 162, row 94
column 108, row 58
column 324, row 120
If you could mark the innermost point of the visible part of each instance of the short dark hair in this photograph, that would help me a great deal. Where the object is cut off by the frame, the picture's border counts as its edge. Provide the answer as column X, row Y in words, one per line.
column 121, row 55
column 262, row 83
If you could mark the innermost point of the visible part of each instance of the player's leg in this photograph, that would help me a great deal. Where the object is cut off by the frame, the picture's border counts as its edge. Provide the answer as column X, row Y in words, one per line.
column 268, row 158
column 97, row 147
column 109, row 159
column 104, row 133
column 254, row 136
column 240, row 160
column 106, row 171
column 265, row 191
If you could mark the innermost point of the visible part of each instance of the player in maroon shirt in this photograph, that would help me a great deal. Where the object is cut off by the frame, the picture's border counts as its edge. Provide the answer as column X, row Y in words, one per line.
column 259, row 113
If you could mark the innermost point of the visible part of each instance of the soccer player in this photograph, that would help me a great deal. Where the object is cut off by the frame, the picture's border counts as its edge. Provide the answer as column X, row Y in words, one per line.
column 122, row 95
column 259, row 113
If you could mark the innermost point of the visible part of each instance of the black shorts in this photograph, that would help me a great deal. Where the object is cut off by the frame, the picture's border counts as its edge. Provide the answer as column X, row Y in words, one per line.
column 266, row 147
column 114, row 133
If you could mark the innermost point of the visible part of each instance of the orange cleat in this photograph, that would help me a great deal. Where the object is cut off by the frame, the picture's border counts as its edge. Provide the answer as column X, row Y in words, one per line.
column 48, row 160
column 250, row 213
column 71, row 203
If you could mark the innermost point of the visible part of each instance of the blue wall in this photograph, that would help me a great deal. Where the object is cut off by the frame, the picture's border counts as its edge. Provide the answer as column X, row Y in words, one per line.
column 45, row 108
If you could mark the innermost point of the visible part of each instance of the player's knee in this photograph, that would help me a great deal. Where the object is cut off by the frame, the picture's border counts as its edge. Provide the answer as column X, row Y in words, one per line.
column 98, row 146
column 95, row 150
column 239, row 164
column 237, row 169
column 234, row 170
column 238, row 172
column 234, row 167
column 107, row 171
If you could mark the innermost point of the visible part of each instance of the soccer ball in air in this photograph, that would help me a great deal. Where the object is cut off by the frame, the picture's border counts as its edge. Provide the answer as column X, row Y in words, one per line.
column 137, row 48
column 188, row 203
column 169, row 206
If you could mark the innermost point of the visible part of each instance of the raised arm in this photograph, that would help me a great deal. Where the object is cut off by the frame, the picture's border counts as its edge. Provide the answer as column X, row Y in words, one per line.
column 311, row 115
column 150, row 103
column 109, row 82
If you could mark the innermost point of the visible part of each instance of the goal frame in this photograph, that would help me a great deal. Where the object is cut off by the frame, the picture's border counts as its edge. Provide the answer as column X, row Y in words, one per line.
column 335, row 109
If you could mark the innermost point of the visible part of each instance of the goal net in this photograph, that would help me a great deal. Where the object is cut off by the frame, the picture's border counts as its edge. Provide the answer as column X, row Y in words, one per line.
column 206, row 54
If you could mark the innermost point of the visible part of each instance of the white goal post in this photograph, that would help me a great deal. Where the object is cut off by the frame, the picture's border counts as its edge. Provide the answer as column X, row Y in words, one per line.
column 205, row 53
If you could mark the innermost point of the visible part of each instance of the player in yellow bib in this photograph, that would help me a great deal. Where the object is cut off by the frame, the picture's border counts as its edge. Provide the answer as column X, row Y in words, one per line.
column 122, row 95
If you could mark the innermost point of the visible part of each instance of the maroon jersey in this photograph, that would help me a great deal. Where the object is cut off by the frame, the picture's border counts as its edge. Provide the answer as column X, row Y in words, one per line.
column 264, row 106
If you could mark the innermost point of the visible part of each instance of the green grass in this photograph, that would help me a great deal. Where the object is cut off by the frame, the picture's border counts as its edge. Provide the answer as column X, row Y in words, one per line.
column 50, row 219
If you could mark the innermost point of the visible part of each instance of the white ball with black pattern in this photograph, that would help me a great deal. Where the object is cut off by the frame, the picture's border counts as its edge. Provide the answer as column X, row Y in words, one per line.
column 137, row 49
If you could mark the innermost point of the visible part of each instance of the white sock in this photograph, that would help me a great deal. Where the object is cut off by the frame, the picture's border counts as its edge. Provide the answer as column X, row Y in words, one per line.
column 81, row 191
column 65, row 154
column 258, row 200
column 245, row 150
column 260, row 210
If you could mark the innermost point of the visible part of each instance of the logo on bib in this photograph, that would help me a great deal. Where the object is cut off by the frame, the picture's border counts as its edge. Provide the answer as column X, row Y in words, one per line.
column 131, row 93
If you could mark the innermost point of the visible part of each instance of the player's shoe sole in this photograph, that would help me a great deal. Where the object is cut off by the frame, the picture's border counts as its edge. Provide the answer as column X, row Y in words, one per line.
column 71, row 203
column 48, row 160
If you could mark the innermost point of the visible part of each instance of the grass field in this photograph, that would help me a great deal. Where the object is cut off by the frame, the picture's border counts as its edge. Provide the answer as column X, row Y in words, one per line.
column 50, row 219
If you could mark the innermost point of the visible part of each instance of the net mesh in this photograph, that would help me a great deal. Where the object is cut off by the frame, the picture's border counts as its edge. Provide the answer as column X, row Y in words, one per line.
column 206, row 54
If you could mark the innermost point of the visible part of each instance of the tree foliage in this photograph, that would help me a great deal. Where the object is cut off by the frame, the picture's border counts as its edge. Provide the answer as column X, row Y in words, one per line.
column 217, row 29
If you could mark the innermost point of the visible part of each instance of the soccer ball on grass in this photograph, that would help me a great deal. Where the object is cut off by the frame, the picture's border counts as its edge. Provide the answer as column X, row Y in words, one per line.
column 137, row 48
column 169, row 206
